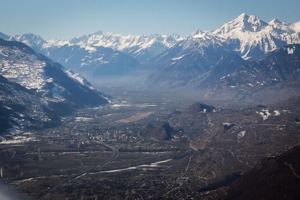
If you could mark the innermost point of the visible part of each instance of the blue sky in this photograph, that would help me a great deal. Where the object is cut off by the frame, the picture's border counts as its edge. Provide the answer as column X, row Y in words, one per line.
column 69, row 18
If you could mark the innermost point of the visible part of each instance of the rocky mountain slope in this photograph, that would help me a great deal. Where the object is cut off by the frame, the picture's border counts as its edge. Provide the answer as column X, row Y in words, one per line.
column 230, row 77
column 37, row 88
column 273, row 178
column 281, row 65
column 21, row 110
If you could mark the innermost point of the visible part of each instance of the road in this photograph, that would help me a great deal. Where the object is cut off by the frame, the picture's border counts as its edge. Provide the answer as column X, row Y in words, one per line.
column 114, row 155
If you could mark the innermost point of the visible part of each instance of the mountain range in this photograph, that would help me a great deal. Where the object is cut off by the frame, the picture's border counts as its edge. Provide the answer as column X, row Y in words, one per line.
column 100, row 54
column 107, row 54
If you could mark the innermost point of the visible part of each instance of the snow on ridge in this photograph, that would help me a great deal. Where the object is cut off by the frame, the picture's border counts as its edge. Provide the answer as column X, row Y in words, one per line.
column 296, row 26
column 56, row 43
column 274, row 22
column 178, row 58
column 91, row 49
column 75, row 77
column 78, row 79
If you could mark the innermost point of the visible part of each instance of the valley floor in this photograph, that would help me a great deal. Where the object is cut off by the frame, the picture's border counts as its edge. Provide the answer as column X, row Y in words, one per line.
column 147, row 146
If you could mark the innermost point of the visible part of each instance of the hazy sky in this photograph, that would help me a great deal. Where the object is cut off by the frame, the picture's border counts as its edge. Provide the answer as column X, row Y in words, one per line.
column 69, row 18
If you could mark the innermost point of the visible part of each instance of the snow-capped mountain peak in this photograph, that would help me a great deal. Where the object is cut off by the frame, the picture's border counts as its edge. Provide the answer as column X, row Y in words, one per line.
column 296, row 26
column 199, row 34
column 30, row 37
column 35, row 41
column 140, row 47
column 253, row 20
column 280, row 27
column 256, row 37
column 242, row 23
column 274, row 22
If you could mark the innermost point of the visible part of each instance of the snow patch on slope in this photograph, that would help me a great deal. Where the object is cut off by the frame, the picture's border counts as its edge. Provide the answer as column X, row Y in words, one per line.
column 241, row 134
column 291, row 50
column 78, row 79
column 264, row 113
column 23, row 68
